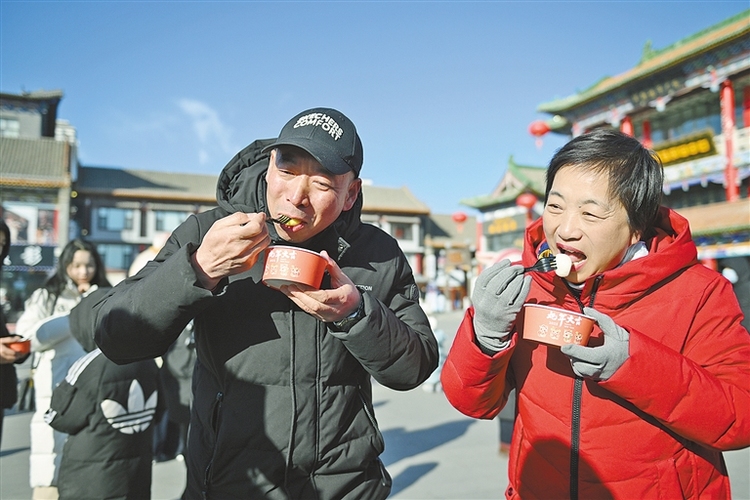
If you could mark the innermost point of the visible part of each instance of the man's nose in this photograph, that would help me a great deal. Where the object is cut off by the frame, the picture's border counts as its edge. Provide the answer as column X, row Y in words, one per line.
column 299, row 190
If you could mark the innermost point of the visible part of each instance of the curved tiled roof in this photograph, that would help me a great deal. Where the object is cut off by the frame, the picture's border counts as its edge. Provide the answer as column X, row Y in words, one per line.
column 654, row 61
column 517, row 179
column 146, row 184
column 380, row 199
column 42, row 162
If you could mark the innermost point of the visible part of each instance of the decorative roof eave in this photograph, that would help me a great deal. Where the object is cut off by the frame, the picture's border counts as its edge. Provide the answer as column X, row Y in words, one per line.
column 717, row 218
column 730, row 29
column 144, row 195
column 515, row 182
column 370, row 209
column 27, row 182
column 488, row 201
column 37, row 95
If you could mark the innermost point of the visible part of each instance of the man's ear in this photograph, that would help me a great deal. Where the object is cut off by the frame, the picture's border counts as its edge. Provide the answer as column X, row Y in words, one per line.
column 352, row 193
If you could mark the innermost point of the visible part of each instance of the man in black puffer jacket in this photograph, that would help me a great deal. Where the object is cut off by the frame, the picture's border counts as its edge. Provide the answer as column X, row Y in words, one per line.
column 282, row 404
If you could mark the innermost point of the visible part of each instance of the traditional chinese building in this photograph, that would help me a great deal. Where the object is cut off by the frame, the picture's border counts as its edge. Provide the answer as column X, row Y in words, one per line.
column 690, row 103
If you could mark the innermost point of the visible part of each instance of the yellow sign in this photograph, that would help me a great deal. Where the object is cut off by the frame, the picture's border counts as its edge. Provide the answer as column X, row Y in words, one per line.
column 691, row 147
column 504, row 225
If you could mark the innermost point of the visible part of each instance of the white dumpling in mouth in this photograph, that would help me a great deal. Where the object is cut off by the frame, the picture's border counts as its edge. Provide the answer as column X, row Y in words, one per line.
column 563, row 265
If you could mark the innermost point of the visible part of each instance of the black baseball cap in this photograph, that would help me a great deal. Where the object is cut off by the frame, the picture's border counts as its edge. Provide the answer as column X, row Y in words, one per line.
column 328, row 135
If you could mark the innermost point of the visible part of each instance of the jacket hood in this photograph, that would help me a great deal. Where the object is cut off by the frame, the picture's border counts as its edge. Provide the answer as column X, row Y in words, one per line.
column 242, row 188
column 670, row 251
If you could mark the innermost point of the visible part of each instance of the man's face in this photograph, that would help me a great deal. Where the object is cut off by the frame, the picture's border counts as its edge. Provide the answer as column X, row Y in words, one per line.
column 581, row 220
column 300, row 188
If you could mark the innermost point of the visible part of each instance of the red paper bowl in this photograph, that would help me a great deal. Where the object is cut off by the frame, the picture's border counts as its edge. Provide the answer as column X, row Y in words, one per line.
column 555, row 326
column 22, row 346
column 291, row 265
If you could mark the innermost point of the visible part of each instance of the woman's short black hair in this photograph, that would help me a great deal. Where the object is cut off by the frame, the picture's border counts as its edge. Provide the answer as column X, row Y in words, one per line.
column 636, row 176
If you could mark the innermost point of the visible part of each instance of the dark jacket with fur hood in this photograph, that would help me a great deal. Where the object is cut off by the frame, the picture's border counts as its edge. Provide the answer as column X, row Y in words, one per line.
column 282, row 404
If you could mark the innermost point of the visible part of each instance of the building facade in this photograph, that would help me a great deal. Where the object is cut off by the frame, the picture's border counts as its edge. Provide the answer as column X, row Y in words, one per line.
column 690, row 103
column 39, row 162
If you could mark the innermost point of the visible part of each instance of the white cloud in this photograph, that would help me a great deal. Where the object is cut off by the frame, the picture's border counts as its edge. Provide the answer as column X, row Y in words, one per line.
column 212, row 134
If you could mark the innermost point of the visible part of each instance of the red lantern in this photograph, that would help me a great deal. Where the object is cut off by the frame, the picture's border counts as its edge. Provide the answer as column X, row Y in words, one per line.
column 538, row 128
column 459, row 218
column 527, row 200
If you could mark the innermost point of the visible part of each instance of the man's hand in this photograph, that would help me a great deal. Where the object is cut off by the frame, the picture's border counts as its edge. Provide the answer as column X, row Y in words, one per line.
column 231, row 246
column 8, row 355
column 327, row 305
column 498, row 296
column 600, row 363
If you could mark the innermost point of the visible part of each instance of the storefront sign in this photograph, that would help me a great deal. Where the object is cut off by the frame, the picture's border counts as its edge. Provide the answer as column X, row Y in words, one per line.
column 505, row 225
column 687, row 148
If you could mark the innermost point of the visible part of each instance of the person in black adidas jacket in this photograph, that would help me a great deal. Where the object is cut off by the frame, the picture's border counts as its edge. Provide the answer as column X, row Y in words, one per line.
column 109, row 411
column 282, row 405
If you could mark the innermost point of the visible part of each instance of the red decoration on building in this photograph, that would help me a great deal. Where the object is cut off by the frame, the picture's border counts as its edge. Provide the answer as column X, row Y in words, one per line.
column 626, row 126
column 527, row 201
column 538, row 128
column 459, row 218
column 646, row 139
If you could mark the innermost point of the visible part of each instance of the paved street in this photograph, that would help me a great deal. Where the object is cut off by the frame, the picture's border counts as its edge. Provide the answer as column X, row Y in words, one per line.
column 432, row 451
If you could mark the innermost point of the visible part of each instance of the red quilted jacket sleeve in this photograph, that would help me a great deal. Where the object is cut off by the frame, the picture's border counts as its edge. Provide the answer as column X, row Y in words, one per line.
column 472, row 381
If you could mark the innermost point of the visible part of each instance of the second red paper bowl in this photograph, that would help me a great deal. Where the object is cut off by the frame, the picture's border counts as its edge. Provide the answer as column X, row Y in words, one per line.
column 554, row 326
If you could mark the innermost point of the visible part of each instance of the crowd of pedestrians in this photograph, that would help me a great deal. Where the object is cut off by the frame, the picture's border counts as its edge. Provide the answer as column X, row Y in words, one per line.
column 280, row 400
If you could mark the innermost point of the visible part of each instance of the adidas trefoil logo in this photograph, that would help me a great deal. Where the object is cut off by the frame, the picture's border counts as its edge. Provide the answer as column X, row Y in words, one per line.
column 136, row 417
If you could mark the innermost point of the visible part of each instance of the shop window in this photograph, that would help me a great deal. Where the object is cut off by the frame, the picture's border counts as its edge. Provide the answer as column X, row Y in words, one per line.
column 116, row 256
column 114, row 219
column 687, row 117
column 168, row 220
column 10, row 127
column 402, row 231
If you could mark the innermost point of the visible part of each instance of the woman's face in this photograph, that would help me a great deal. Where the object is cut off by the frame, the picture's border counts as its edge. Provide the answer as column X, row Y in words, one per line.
column 582, row 221
column 82, row 269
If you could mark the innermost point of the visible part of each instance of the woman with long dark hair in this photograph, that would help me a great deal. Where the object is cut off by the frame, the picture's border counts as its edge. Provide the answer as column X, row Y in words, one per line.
column 80, row 271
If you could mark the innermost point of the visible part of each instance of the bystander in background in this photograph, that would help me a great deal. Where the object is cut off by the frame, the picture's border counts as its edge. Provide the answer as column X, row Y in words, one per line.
column 79, row 270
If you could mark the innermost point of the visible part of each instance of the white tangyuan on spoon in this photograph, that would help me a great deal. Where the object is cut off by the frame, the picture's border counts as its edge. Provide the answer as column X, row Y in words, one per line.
column 563, row 265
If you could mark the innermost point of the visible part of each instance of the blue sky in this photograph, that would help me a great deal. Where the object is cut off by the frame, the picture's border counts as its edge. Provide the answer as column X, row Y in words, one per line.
column 442, row 92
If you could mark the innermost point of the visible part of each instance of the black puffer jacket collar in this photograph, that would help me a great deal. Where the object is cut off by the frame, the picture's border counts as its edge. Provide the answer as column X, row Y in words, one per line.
column 242, row 188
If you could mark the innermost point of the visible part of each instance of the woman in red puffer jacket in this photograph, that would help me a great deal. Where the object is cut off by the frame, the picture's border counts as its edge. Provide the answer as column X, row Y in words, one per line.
column 663, row 386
